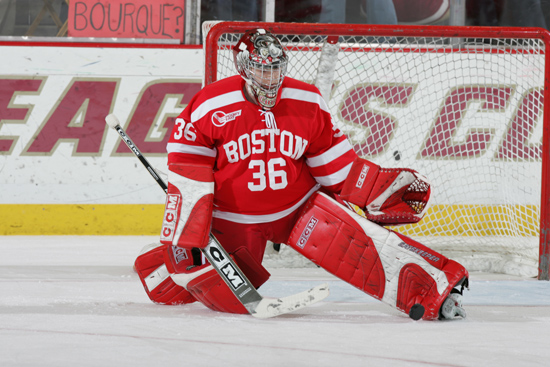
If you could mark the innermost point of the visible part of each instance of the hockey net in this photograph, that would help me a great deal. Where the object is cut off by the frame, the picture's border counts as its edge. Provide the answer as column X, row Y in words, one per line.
column 463, row 106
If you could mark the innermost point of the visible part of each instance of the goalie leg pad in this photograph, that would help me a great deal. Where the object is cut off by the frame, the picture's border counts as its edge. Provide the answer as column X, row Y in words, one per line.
column 155, row 277
column 338, row 247
column 390, row 267
column 417, row 284
column 206, row 285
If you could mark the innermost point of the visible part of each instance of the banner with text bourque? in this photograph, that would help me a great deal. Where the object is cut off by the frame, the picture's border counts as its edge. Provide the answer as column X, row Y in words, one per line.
column 160, row 19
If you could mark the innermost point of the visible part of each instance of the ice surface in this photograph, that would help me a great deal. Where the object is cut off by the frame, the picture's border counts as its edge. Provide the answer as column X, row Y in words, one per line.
column 75, row 301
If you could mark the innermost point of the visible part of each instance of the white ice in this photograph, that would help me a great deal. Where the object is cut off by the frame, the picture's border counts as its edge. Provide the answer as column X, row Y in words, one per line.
column 75, row 301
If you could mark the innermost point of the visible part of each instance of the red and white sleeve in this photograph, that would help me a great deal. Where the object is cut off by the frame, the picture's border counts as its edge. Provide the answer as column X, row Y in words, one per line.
column 330, row 156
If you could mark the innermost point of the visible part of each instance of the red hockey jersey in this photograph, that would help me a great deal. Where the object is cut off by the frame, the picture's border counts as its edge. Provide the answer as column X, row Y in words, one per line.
column 266, row 163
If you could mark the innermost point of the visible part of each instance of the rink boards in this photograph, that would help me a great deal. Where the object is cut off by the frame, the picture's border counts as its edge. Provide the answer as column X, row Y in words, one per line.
column 63, row 171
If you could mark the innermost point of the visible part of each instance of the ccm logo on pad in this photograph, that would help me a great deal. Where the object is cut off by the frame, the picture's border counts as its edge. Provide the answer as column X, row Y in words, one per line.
column 307, row 232
column 362, row 176
column 170, row 217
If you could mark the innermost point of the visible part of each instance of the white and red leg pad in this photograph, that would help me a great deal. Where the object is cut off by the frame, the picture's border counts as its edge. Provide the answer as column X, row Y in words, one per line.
column 206, row 285
column 393, row 268
column 155, row 275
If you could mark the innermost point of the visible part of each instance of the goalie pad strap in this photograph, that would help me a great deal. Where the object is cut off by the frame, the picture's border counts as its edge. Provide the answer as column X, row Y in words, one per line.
column 189, row 205
column 390, row 267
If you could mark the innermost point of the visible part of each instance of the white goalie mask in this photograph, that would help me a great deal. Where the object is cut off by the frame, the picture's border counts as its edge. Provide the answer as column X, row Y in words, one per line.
column 261, row 60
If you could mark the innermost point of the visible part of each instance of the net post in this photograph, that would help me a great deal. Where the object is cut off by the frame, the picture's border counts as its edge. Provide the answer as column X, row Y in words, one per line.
column 544, row 235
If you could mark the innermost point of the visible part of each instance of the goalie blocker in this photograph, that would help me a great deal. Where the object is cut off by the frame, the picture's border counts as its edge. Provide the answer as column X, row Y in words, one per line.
column 384, row 264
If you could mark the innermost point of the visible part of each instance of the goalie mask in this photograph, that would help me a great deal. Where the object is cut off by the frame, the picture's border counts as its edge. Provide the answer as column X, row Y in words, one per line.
column 261, row 60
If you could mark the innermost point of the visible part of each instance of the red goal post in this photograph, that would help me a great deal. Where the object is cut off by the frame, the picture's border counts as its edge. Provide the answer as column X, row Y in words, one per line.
column 462, row 105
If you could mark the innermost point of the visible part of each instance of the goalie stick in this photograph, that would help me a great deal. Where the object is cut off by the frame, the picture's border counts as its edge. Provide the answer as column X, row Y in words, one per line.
column 257, row 305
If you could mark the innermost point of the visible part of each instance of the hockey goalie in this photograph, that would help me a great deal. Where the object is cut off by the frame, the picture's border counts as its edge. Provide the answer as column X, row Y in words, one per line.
column 254, row 158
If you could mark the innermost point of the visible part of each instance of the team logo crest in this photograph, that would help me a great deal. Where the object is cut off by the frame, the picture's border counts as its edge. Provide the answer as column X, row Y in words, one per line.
column 220, row 118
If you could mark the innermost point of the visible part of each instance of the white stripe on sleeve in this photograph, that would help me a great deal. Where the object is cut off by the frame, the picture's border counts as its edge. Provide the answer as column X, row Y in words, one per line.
column 216, row 102
column 336, row 151
column 190, row 149
column 334, row 178
column 306, row 96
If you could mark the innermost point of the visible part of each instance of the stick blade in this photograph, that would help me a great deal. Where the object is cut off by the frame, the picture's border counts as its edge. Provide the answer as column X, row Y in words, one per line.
column 271, row 307
column 112, row 121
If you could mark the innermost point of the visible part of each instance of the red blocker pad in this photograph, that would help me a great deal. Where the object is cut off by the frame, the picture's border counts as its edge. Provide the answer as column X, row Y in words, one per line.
column 390, row 267
column 360, row 182
column 212, row 291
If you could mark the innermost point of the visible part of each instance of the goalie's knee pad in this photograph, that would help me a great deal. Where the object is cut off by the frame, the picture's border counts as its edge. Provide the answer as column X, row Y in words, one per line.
column 206, row 285
column 393, row 268
column 155, row 274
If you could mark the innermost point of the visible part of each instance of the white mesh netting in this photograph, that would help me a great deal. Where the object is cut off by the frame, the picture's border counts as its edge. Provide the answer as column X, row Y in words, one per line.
column 465, row 112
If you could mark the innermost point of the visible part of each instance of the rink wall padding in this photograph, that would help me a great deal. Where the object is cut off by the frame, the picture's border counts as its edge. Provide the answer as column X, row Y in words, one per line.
column 77, row 219
column 146, row 219
column 62, row 171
